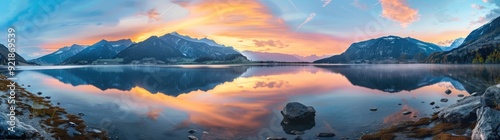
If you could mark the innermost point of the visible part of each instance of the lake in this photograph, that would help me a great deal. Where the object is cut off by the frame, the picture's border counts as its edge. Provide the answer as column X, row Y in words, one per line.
column 244, row 101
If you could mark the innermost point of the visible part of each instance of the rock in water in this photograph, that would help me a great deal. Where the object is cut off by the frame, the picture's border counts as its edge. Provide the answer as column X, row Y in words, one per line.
column 191, row 131
column 373, row 109
column 444, row 100
column 406, row 112
column 325, row 135
column 275, row 138
column 462, row 111
column 295, row 111
column 22, row 130
column 448, row 91
column 488, row 124
column 461, row 95
column 492, row 96
column 432, row 103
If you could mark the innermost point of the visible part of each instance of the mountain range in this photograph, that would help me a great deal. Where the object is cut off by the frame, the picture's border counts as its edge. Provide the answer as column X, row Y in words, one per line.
column 101, row 50
column 59, row 56
column 455, row 44
column 4, row 52
column 388, row 49
column 174, row 48
column 482, row 45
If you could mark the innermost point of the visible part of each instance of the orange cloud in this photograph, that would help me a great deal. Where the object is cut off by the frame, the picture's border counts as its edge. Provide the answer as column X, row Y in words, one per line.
column 399, row 11
column 238, row 23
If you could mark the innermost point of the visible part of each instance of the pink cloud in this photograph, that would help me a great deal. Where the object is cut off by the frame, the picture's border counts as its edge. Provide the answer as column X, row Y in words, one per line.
column 478, row 7
column 399, row 11
column 359, row 5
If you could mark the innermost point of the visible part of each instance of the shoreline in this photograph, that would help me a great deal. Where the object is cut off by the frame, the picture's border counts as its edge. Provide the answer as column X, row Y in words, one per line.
column 469, row 118
column 38, row 118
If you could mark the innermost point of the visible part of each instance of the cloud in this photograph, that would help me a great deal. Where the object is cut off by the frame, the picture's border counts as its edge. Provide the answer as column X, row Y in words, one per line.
column 271, row 43
column 359, row 5
column 399, row 11
column 493, row 13
column 480, row 20
column 326, row 2
column 153, row 15
column 477, row 7
column 311, row 17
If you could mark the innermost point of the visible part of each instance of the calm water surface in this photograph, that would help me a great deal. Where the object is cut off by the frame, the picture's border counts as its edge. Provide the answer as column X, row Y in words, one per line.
column 244, row 102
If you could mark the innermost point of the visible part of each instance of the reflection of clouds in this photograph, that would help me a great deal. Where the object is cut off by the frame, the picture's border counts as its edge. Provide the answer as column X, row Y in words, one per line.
column 272, row 84
column 242, row 105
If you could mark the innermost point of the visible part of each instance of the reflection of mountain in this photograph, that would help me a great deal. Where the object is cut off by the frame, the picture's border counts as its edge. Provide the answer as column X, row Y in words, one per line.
column 172, row 81
column 396, row 78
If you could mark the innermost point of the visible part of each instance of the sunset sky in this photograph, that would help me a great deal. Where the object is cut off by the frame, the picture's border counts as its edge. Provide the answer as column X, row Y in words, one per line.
column 302, row 27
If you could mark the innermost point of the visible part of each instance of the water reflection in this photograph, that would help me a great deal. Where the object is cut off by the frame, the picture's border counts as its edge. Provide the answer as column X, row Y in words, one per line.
column 244, row 102
column 171, row 81
column 397, row 78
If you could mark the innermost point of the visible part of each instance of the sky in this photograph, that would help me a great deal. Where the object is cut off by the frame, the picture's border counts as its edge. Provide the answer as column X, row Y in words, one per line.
column 300, row 27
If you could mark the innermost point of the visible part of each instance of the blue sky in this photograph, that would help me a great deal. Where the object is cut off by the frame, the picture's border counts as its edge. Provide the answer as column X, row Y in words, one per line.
column 302, row 27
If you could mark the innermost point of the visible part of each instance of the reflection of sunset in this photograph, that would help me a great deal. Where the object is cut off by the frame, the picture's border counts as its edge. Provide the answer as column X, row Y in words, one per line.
column 243, row 104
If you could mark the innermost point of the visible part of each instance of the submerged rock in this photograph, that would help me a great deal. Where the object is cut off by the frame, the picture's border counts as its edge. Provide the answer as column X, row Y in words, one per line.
column 191, row 137
column 448, row 91
column 488, row 124
column 325, row 134
column 406, row 112
column 432, row 103
column 296, row 132
column 444, row 100
column 72, row 124
column 47, row 97
column 21, row 131
column 373, row 109
column 462, row 111
column 295, row 111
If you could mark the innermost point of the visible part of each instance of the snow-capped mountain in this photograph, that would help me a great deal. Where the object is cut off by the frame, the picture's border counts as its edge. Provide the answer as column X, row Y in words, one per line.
column 480, row 46
column 59, row 56
column 388, row 49
column 181, row 48
column 456, row 43
column 100, row 50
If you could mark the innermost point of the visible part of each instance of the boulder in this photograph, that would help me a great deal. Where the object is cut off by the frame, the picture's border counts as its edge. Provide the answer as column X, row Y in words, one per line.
column 448, row 91
column 492, row 96
column 21, row 130
column 294, row 112
column 464, row 110
column 488, row 124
